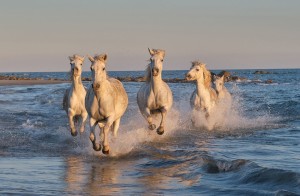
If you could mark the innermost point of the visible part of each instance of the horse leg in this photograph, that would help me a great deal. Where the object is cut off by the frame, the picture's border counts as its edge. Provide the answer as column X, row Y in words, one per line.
column 101, row 134
column 107, row 126
column 116, row 125
column 84, row 117
column 96, row 146
column 160, row 129
column 71, row 115
column 149, row 119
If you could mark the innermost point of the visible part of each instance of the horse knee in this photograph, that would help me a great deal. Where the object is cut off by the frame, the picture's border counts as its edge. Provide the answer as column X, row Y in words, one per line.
column 82, row 128
column 92, row 137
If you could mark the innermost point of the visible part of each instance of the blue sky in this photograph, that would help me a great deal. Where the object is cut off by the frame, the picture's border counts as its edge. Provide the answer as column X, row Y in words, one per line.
column 233, row 34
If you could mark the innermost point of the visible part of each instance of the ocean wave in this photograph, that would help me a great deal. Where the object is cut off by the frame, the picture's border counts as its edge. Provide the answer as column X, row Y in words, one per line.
column 217, row 166
column 271, row 177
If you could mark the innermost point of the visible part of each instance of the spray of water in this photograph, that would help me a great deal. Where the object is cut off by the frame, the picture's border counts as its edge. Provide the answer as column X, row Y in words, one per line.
column 228, row 116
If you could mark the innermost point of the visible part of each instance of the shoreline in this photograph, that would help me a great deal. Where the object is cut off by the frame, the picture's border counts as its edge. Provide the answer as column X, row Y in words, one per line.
column 30, row 82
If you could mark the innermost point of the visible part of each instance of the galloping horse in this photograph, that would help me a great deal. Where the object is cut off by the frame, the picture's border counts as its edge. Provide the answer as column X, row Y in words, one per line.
column 74, row 98
column 106, row 102
column 204, row 97
column 221, row 90
column 224, row 101
column 155, row 95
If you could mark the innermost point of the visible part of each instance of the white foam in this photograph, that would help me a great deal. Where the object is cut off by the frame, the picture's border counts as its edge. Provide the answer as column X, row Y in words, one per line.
column 30, row 125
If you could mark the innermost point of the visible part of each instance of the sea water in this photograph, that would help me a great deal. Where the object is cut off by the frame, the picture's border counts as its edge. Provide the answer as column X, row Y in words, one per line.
column 255, row 150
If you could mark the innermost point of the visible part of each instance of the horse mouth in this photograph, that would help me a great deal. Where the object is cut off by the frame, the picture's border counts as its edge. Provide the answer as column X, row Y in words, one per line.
column 155, row 71
column 95, row 86
column 189, row 78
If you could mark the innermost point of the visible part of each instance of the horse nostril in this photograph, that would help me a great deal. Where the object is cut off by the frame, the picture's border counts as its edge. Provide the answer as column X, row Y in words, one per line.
column 155, row 70
column 188, row 76
column 96, row 86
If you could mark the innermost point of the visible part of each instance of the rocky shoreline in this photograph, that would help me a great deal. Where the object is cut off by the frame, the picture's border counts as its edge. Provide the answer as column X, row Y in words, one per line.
column 227, row 75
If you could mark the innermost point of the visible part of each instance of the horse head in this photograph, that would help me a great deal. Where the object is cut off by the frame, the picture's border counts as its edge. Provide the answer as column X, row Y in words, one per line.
column 219, row 83
column 196, row 71
column 76, row 62
column 156, row 61
column 98, row 69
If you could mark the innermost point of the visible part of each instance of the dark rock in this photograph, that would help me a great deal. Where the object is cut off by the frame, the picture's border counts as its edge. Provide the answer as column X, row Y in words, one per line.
column 261, row 72
column 269, row 81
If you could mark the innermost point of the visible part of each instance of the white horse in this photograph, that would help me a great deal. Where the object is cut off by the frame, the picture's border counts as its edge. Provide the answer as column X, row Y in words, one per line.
column 74, row 98
column 155, row 95
column 204, row 97
column 106, row 102
column 221, row 90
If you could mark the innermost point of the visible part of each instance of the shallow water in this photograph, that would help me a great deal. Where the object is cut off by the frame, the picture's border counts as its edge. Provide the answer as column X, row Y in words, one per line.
column 255, row 150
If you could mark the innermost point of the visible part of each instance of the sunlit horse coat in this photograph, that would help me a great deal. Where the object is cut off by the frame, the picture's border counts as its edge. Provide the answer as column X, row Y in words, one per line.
column 74, row 98
column 106, row 102
column 155, row 96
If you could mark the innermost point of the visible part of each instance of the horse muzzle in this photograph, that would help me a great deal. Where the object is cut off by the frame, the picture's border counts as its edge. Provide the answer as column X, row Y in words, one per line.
column 155, row 71
column 96, row 86
column 188, row 77
column 75, row 71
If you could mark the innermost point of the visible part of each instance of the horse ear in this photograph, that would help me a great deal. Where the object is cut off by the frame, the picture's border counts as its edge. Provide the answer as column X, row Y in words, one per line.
column 222, row 78
column 105, row 57
column 151, row 52
column 91, row 58
column 71, row 58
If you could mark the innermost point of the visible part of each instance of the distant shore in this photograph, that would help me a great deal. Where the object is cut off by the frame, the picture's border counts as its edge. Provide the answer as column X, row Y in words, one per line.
column 14, row 80
column 30, row 82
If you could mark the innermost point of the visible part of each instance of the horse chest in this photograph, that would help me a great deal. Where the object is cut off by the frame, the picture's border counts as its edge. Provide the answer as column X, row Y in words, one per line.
column 77, row 102
column 155, row 100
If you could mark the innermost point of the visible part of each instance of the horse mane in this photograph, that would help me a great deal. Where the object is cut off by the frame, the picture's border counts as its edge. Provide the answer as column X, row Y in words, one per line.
column 148, row 69
column 206, row 73
column 148, row 73
column 100, row 57
column 103, row 58
column 76, row 57
column 159, row 52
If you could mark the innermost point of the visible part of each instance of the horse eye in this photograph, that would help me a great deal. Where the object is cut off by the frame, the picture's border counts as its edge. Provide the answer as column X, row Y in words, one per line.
column 162, row 60
column 103, row 68
column 197, row 69
column 81, row 64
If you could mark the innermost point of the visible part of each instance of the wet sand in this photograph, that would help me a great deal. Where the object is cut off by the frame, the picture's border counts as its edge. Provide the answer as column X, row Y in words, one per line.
column 30, row 82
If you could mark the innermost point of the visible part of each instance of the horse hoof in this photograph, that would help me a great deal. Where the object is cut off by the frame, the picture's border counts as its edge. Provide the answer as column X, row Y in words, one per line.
column 74, row 133
column 105, row 150
column 160, row 131
column 97, row 147
column 152, row 126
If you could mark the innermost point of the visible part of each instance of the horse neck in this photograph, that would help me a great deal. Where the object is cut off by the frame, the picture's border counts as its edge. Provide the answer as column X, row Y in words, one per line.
column 156, row 83
column 102, row 91
column 201, row 87
column 76, row 82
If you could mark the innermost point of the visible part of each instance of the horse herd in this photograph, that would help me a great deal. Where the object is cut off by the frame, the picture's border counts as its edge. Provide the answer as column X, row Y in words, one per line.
column 105, row 101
